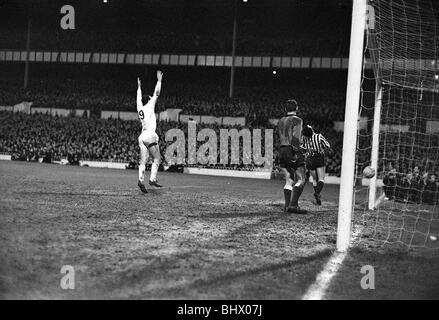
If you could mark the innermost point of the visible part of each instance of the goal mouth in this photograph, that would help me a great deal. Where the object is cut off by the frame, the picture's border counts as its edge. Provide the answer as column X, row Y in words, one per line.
column 398, row 128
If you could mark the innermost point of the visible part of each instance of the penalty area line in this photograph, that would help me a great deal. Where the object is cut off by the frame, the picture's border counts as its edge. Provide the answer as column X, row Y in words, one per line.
column 318, row 289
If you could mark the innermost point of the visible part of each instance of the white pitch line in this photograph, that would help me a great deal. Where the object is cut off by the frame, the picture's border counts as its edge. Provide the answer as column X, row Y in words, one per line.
column 318, row 289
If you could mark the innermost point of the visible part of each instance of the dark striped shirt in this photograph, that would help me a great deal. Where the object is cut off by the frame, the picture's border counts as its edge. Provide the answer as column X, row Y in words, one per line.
column 317, row 144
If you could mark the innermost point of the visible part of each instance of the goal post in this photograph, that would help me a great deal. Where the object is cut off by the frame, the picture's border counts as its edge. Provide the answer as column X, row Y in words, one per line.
column 358, row 25
column 375, row 145
column 376, row 125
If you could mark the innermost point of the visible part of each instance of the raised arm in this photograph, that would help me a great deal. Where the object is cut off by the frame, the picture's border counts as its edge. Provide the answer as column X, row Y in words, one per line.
column 139, row 93
column 158, row 86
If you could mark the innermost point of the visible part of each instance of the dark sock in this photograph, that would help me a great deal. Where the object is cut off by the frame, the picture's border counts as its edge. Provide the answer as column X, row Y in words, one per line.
column 297, row 191
column 319, row 187
column 315, row 188
column 287, row 195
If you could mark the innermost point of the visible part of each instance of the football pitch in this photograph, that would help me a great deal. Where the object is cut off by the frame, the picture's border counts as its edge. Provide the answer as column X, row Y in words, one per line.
column 199, row 237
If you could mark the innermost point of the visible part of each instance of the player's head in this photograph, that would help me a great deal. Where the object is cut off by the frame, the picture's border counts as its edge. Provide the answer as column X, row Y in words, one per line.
column 291, row 107
column 307, row 131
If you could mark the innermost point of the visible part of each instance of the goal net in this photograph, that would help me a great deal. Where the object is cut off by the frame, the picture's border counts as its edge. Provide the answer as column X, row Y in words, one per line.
column 398, row 132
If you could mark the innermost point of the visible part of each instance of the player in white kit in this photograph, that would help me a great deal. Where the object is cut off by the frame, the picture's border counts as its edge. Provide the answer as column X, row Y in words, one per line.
column 148, row 139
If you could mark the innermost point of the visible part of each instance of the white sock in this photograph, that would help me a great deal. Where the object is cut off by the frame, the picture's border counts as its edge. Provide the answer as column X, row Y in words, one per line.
column 141, row 172
column 154, row 170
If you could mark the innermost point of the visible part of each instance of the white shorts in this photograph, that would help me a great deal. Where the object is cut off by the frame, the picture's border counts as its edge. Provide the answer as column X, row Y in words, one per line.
column 148, row 137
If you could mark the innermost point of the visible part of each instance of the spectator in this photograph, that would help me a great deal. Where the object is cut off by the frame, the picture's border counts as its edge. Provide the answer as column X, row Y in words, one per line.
column 390, row 183
column 430, row 194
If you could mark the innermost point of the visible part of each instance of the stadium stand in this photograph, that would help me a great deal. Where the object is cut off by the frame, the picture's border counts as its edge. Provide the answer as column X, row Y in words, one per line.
column 30, row 137
column 257, row 104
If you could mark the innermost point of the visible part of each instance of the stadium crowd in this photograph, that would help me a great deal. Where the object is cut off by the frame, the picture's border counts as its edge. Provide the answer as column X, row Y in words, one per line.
column 415, row 186
column 257, row 104
column 407, row 165
column 29, row 137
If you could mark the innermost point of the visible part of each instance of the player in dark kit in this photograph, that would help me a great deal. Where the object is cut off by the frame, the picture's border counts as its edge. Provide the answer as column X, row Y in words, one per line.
column 291, row 157
column 317, row 145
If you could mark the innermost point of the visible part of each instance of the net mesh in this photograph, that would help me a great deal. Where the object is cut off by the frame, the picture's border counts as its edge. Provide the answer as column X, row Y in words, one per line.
column 401, row 78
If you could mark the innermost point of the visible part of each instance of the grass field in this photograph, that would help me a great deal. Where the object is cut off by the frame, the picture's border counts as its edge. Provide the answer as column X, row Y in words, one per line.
column 199, row 237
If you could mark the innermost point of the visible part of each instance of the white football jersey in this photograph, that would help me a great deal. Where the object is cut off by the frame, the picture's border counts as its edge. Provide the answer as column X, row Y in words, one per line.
column 146, row 114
